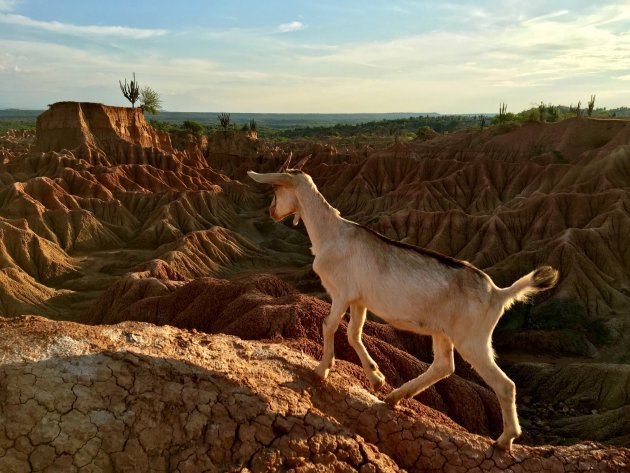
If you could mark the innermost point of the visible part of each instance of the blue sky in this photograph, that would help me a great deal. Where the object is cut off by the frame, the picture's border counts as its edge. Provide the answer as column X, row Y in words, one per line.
column 317, row 55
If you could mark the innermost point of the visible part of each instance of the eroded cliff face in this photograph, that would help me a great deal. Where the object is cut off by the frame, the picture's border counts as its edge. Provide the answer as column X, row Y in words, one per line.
column 105, row 220
column 101, row 179
column 135, row 397
column 114, row 130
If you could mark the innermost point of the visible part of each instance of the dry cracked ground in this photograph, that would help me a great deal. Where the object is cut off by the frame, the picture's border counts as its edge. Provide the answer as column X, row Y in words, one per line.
column 134, row 397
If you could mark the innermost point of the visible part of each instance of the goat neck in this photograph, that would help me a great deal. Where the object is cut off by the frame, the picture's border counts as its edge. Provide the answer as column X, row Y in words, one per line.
column 322, row 220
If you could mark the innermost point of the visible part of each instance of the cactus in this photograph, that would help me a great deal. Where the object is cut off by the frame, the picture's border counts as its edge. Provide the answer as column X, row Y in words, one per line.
column 591, row 105
column 224, row 120
column 541, row 111
column 502, row 112
column 578, row 110
column 131, row 91
column 253, row 126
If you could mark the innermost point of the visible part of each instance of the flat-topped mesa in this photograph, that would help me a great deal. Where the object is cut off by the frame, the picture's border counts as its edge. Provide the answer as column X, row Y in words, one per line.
column 113, row 130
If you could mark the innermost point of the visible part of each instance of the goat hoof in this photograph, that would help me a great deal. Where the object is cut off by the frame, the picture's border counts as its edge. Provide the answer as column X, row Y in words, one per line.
column 321, row 374
column 504, row 443
column 392, row 398
column 377, row 380
column 378, row 384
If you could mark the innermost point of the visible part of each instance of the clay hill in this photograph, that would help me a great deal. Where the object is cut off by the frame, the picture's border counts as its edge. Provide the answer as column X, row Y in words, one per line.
column 105, row 220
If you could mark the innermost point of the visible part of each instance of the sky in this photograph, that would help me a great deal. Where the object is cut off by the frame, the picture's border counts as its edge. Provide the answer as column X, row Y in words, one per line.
column 317, row 56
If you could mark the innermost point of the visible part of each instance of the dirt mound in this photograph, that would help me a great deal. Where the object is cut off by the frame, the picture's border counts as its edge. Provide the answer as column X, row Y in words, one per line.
column 135, row 397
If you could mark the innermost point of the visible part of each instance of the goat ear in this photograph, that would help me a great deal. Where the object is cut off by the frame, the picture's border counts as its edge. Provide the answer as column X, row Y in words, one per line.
column 302, row 162
column 287, row 163
column 274, row 178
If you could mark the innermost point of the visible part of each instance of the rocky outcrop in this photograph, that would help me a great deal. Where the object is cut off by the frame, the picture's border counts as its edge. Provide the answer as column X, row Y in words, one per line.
column 135, row 397
column 69, row 125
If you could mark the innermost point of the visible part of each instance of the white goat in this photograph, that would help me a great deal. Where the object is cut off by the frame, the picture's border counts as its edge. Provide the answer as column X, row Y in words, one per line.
column 411, row 288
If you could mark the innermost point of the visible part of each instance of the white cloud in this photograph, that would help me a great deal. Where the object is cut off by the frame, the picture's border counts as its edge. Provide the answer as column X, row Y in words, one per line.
column 526, row 52
column 57, row 27
column 8, row 5
column 288, row 27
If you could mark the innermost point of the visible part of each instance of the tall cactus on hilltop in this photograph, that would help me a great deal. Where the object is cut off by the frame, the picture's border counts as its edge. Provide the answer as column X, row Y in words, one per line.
column 502, row 112
column 591, row 105
column 224, row 120
column 131, row 91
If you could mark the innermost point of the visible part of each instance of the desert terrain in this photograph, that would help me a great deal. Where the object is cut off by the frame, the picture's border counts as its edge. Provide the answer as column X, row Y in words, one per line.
column 156, row 319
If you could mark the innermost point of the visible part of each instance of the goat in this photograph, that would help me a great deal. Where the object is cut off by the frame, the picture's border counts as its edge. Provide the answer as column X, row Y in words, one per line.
column 409, row 287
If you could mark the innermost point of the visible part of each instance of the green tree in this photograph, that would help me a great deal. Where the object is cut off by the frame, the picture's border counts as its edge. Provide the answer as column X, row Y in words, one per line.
column 193, row 127
column 150, row 101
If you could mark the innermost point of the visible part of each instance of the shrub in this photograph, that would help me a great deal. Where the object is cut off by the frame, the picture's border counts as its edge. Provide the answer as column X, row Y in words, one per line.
column 150, row 101
column 193, row 127
column 425, row 132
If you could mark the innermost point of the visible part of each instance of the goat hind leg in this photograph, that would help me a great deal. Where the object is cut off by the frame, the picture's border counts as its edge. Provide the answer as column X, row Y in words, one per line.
column 443, row 365
column 329, row 327
column 481, row 358
column 355, row 329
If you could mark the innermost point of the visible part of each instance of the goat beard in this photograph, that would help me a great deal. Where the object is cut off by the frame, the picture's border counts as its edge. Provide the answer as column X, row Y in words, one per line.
column 296, row 218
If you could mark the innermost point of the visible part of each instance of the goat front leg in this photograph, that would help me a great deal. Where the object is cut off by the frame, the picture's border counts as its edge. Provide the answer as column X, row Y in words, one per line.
column 329, row 327
column 355, row 329
column 443, row 365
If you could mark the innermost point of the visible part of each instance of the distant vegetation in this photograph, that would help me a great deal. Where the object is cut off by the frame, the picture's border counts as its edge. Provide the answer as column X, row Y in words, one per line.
column 6, row 125
column 341, row 127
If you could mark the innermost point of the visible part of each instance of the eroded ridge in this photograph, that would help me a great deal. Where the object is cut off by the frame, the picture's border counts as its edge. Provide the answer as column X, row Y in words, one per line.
column 136, row 397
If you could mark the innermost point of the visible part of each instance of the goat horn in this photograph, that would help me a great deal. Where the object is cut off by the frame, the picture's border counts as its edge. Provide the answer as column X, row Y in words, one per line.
column 302, row 162
column 287, row 163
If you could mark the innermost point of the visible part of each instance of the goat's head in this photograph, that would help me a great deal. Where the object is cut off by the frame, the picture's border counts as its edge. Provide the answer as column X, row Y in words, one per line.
column 284, row 183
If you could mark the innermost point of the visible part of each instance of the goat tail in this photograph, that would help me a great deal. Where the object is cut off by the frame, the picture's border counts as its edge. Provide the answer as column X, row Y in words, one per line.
column 539, row 280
